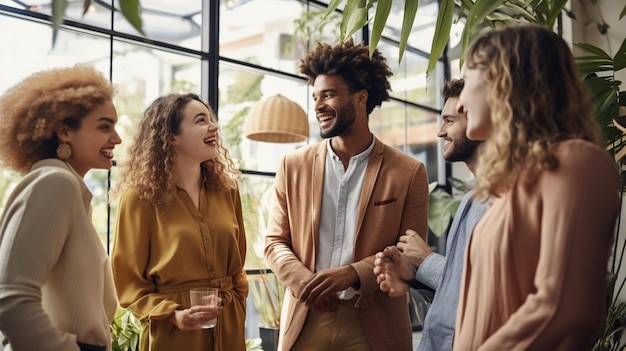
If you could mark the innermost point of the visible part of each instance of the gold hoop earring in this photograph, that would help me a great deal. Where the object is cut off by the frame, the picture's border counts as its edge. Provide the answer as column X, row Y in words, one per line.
column 64, row 151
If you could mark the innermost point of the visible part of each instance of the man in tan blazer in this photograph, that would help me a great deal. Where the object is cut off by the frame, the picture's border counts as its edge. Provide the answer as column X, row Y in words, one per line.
column 337, row 203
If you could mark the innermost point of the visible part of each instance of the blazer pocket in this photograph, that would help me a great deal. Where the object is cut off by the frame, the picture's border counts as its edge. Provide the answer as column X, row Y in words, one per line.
column 385, row 202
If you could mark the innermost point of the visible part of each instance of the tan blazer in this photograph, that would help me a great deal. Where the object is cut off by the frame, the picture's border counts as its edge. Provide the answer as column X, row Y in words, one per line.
column 394, row 198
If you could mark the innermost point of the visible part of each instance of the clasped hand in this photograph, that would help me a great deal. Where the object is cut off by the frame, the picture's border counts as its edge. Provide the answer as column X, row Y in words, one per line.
column 396, row 265
column 319, row 291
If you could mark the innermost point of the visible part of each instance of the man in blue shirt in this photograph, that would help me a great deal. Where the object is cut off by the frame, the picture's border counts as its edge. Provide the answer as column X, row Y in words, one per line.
column 411, row 260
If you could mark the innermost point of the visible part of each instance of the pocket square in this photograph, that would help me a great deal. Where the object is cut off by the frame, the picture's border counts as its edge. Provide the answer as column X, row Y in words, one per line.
column 384, row 202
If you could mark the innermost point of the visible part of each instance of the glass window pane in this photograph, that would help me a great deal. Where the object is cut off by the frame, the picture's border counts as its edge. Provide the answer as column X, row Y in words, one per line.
column 240, row 89
column 256, row 32
column 409, row 82
column 409, row 129
column 143, row 73
column 421, row 36
column 175, row 22
column 256, row 197
column 97, row 14
column 33, row 51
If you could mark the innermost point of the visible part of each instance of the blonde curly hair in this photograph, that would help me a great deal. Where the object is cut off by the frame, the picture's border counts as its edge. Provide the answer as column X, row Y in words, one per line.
column 149, row 167
column 34, row 109
column 537, row 99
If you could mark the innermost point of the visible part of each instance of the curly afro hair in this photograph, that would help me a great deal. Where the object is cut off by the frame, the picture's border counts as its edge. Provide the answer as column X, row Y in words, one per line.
column 33, row 109
column 354, row 64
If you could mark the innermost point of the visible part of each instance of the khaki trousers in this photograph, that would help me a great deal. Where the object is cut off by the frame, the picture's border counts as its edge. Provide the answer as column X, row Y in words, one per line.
column 338, row 330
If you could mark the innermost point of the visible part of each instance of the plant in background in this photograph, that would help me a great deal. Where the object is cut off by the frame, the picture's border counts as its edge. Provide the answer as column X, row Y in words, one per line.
column 130, row 9
column 125, row 330
column 599, row 70
column 268, row 294
column 442, row 205
column 253, row 344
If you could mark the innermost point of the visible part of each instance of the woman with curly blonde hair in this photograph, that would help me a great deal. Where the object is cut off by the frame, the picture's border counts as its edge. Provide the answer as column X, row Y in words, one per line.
column 56, row 286
column 180, row 226
column 536, row 265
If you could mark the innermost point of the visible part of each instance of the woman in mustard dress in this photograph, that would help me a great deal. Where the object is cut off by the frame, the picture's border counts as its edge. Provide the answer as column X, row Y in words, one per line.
column 180, row 226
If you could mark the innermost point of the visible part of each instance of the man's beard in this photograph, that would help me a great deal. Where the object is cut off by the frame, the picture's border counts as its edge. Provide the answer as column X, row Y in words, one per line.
column 462, row 150
column 344, row 118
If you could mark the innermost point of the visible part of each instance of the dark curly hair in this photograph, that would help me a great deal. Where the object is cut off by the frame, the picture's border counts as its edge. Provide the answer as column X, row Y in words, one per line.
column 452, row 88
column 354, row 64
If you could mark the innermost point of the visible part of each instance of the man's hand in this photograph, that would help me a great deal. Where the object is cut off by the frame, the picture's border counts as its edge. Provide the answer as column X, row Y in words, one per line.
column 396, row 265
column 326, row 303
column 321, row 286
column 414, row 248
column 393, row 272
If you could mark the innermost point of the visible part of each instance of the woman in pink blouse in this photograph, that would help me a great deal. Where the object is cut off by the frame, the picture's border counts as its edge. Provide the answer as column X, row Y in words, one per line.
column 536, row 265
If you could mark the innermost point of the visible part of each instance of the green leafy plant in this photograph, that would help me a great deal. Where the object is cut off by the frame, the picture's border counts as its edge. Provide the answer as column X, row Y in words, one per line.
column 479, row 16
column 253, row 344
column 268, row 294
column 442, row 205
column 125, row 330
column 130, row 9
column 599, row 70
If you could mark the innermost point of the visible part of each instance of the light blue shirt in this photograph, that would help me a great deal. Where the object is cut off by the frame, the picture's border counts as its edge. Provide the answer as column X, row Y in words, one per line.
column 444, row 274
column 340, row 205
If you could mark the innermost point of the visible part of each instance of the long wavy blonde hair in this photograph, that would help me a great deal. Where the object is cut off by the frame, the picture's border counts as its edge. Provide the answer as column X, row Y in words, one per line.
column 537, row 99
column 149, row 168
column 34, row 109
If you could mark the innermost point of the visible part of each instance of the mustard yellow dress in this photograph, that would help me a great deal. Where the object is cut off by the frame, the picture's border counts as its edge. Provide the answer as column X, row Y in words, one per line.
column 159, row 254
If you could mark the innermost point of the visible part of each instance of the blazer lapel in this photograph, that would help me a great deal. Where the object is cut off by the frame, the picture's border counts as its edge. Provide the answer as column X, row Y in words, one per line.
column 317, row 190
column 371, row 174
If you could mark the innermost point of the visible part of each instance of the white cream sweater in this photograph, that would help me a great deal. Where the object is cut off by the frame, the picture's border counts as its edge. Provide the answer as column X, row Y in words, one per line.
column 56, row 286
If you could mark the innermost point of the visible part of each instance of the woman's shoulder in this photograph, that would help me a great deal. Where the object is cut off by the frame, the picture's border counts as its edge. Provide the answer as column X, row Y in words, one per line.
column 53, row 172
column 131, row 196
column 579, row 150
column 585, row 160
column 48, row 180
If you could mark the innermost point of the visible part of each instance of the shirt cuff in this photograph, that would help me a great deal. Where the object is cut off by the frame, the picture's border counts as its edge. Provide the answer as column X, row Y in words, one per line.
column 430, row 272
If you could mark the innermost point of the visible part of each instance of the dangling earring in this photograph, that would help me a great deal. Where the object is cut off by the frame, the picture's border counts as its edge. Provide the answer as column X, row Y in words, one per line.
column 64, row 151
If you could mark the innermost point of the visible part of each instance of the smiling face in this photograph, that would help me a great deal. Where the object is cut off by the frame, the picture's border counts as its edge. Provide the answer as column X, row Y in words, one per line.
column 334, row 105
column 457, row 147
column 93, row 142
column 197, row 140
column 473, row 103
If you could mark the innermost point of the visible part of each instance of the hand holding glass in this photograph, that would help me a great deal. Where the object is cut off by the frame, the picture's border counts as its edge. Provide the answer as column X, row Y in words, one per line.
column 205, row 297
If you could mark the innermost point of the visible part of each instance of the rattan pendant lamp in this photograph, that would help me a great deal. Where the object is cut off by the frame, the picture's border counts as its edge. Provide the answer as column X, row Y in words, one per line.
column 277, row 119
